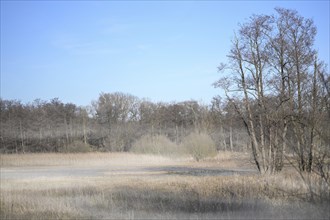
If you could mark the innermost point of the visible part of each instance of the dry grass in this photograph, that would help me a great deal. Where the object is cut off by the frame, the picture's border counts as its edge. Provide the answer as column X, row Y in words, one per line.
column 78, row 159
column 153, row 194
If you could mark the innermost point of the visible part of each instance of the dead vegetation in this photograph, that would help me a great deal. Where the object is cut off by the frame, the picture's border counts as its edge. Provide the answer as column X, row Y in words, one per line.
column 167, row 188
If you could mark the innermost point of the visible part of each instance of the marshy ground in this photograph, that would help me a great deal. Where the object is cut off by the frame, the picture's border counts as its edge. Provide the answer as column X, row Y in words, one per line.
column 133, row 186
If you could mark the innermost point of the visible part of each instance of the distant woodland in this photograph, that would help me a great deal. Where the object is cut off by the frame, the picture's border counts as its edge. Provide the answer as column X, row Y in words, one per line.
column 113, row 123
column 276, row 105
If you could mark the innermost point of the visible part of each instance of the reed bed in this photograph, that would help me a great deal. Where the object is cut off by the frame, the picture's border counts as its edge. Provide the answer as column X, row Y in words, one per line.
column 154, row 195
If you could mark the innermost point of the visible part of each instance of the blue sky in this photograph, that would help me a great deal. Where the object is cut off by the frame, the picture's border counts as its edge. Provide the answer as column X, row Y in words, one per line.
column 161, row 50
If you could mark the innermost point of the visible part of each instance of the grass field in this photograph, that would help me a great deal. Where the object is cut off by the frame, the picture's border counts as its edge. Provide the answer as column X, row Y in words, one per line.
column 130, row 186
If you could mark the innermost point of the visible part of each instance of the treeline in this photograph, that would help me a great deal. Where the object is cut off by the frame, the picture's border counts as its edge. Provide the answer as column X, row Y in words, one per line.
column 113, row 123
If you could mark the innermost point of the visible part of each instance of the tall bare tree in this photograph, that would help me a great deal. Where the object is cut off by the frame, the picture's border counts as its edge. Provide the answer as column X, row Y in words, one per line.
column 275, row 73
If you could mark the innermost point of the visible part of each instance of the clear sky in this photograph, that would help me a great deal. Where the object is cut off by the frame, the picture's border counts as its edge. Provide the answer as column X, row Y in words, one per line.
column 161, row 50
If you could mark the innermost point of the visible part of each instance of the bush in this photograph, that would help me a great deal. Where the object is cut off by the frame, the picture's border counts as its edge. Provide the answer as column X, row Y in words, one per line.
column 199, row 146
column 155, row 144
column 76, row 147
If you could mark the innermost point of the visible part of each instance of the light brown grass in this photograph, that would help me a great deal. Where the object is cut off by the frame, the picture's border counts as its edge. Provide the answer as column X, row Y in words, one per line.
column 154, row 195
column 78, row 159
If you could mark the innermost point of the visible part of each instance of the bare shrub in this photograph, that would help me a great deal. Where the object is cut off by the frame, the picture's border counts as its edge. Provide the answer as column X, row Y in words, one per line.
column 76, row 147
column 199, row 146
column 155, row 144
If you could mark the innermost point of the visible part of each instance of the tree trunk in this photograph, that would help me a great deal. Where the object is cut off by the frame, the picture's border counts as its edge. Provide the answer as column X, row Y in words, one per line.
column 66, row 133
column 84, row 130
column 231, row 138
column 21, row 135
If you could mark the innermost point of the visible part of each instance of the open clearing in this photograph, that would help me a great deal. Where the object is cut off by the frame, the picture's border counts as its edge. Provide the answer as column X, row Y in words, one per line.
column 99, row 165
column 131, row 186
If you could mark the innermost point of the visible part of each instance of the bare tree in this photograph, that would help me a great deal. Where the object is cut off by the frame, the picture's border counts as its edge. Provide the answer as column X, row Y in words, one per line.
column 114, row 111
column 275, row 74
column 248, row 63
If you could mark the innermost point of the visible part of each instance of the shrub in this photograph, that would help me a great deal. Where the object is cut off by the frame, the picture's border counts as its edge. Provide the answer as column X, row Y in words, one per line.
column 76, row 147
column 155, row 144
column 199, row 146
